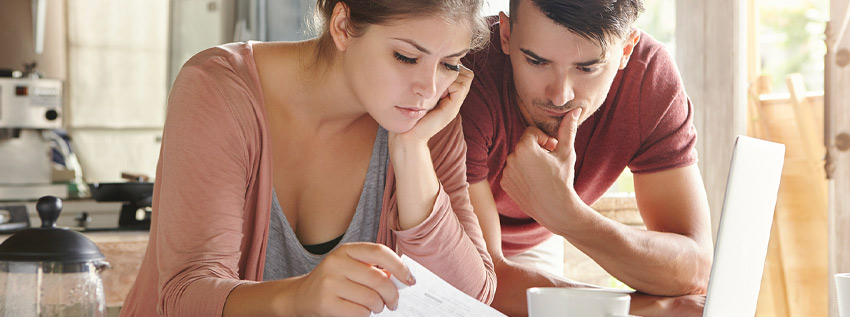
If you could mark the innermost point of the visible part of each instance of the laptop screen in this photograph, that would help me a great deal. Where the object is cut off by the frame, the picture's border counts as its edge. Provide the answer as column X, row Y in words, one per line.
column 744, row 230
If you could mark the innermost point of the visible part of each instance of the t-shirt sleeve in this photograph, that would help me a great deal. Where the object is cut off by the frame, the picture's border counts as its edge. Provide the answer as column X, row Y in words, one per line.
column 478, row 121
column 667, row 133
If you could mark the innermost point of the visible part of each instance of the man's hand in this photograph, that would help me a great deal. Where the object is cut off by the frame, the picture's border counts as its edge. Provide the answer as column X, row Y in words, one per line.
column 540, row 173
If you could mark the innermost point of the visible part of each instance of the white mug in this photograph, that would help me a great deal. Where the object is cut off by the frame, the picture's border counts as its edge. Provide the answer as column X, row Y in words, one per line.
column 581, row 302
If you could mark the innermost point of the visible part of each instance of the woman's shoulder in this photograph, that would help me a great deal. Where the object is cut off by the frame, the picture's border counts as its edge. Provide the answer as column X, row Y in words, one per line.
column 233, row 56
column 228, row 71
column 221, row 83
column 233, row 61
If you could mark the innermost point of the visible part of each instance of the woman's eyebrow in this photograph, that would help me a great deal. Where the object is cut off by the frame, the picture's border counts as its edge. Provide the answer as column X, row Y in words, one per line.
column 414, row 44
column 425, row 50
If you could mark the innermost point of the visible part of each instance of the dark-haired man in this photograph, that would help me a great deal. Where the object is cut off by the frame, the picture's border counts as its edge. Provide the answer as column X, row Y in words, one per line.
column 568, row 95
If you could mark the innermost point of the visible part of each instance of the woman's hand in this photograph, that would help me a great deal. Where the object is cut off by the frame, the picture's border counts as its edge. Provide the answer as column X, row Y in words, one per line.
column 349, row 282
column 446, row 109
column 417, row 185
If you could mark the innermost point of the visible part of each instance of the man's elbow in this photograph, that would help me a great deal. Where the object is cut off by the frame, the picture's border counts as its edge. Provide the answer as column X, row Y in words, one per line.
column 696, row 282
column 696, row 285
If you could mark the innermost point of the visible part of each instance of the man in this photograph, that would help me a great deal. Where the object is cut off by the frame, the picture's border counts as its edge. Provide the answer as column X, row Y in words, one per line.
column 567, row 97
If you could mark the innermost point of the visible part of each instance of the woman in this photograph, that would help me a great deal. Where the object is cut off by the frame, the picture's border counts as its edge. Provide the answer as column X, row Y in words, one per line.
column 292, row 175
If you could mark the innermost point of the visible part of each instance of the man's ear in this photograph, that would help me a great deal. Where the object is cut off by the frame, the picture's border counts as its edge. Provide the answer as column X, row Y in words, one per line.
column 505, row 32
column 629, row 47
column 338, row 26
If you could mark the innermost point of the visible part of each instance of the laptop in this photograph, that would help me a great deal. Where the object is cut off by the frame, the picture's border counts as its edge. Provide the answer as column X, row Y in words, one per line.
column 741, row 246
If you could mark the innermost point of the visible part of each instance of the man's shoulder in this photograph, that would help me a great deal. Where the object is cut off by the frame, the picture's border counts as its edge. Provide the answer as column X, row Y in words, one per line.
column 651, row 72
column 492, row 69
column 650, row 55
column 649, row 85
column 488, row 61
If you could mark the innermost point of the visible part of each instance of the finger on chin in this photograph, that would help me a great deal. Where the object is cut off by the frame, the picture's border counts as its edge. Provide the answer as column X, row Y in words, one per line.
column 547, row 142
column 568, row 128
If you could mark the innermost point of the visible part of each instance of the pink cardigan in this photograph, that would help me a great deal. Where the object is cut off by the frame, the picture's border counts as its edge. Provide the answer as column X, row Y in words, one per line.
column 213, row 194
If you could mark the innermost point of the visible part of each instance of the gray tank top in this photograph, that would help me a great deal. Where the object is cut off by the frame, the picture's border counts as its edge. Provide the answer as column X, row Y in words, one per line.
column 286, row 257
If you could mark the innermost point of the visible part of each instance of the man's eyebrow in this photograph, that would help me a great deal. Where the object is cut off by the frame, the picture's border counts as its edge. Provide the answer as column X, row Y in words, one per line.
column 592, row 62
column 426, row 51
column 534, row 56
column 598, row 60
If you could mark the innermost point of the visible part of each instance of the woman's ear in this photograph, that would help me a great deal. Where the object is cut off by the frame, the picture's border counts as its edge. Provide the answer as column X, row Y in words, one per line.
column 339, row 26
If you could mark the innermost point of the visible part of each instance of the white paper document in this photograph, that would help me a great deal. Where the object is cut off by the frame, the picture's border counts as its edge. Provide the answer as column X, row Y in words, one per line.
column 432, row 296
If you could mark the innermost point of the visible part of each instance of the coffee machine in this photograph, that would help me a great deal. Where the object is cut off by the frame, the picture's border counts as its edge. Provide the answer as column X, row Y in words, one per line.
column 30, row 107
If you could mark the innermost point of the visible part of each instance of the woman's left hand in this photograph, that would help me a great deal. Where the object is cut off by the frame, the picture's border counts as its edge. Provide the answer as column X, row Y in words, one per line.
column 417, row 185
column 446, row 109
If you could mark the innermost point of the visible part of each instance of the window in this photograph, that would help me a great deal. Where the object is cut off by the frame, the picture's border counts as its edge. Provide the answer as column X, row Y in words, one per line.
column 493, row 7
column 659, row 20
column 790, row 40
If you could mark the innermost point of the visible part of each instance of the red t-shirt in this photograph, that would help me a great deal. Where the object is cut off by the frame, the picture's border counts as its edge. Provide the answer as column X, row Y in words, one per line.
column 645, row 124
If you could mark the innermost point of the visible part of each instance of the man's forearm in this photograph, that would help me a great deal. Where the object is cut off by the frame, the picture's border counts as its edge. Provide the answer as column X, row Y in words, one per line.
column 680, row 306
column 659, row 263
column 514, row 279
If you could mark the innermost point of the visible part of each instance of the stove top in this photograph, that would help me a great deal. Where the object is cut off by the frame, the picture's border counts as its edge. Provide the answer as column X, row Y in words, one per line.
column 10, row 73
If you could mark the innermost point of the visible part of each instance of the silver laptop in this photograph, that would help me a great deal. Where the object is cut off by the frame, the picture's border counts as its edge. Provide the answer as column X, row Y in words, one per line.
column 744, row 230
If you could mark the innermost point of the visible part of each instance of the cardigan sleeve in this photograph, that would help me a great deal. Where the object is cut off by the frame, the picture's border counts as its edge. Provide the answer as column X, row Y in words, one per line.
column 205, row 166
column 449, row 242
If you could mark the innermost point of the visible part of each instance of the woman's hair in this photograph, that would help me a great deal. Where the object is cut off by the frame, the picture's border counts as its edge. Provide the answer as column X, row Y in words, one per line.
column 363, row 13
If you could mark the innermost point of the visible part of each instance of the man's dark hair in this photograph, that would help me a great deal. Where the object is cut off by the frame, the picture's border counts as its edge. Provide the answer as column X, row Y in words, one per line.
column 595, row 20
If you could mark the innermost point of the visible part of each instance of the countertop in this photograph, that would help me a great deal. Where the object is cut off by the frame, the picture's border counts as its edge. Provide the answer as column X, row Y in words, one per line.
column 124, row 250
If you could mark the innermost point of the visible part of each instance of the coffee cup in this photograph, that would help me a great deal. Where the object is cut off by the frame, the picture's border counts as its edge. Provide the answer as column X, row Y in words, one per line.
column 842, row 292
column 582, row 302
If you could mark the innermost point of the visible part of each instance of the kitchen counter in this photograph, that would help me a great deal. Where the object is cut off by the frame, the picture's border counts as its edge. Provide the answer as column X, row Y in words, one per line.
column 124, row 250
